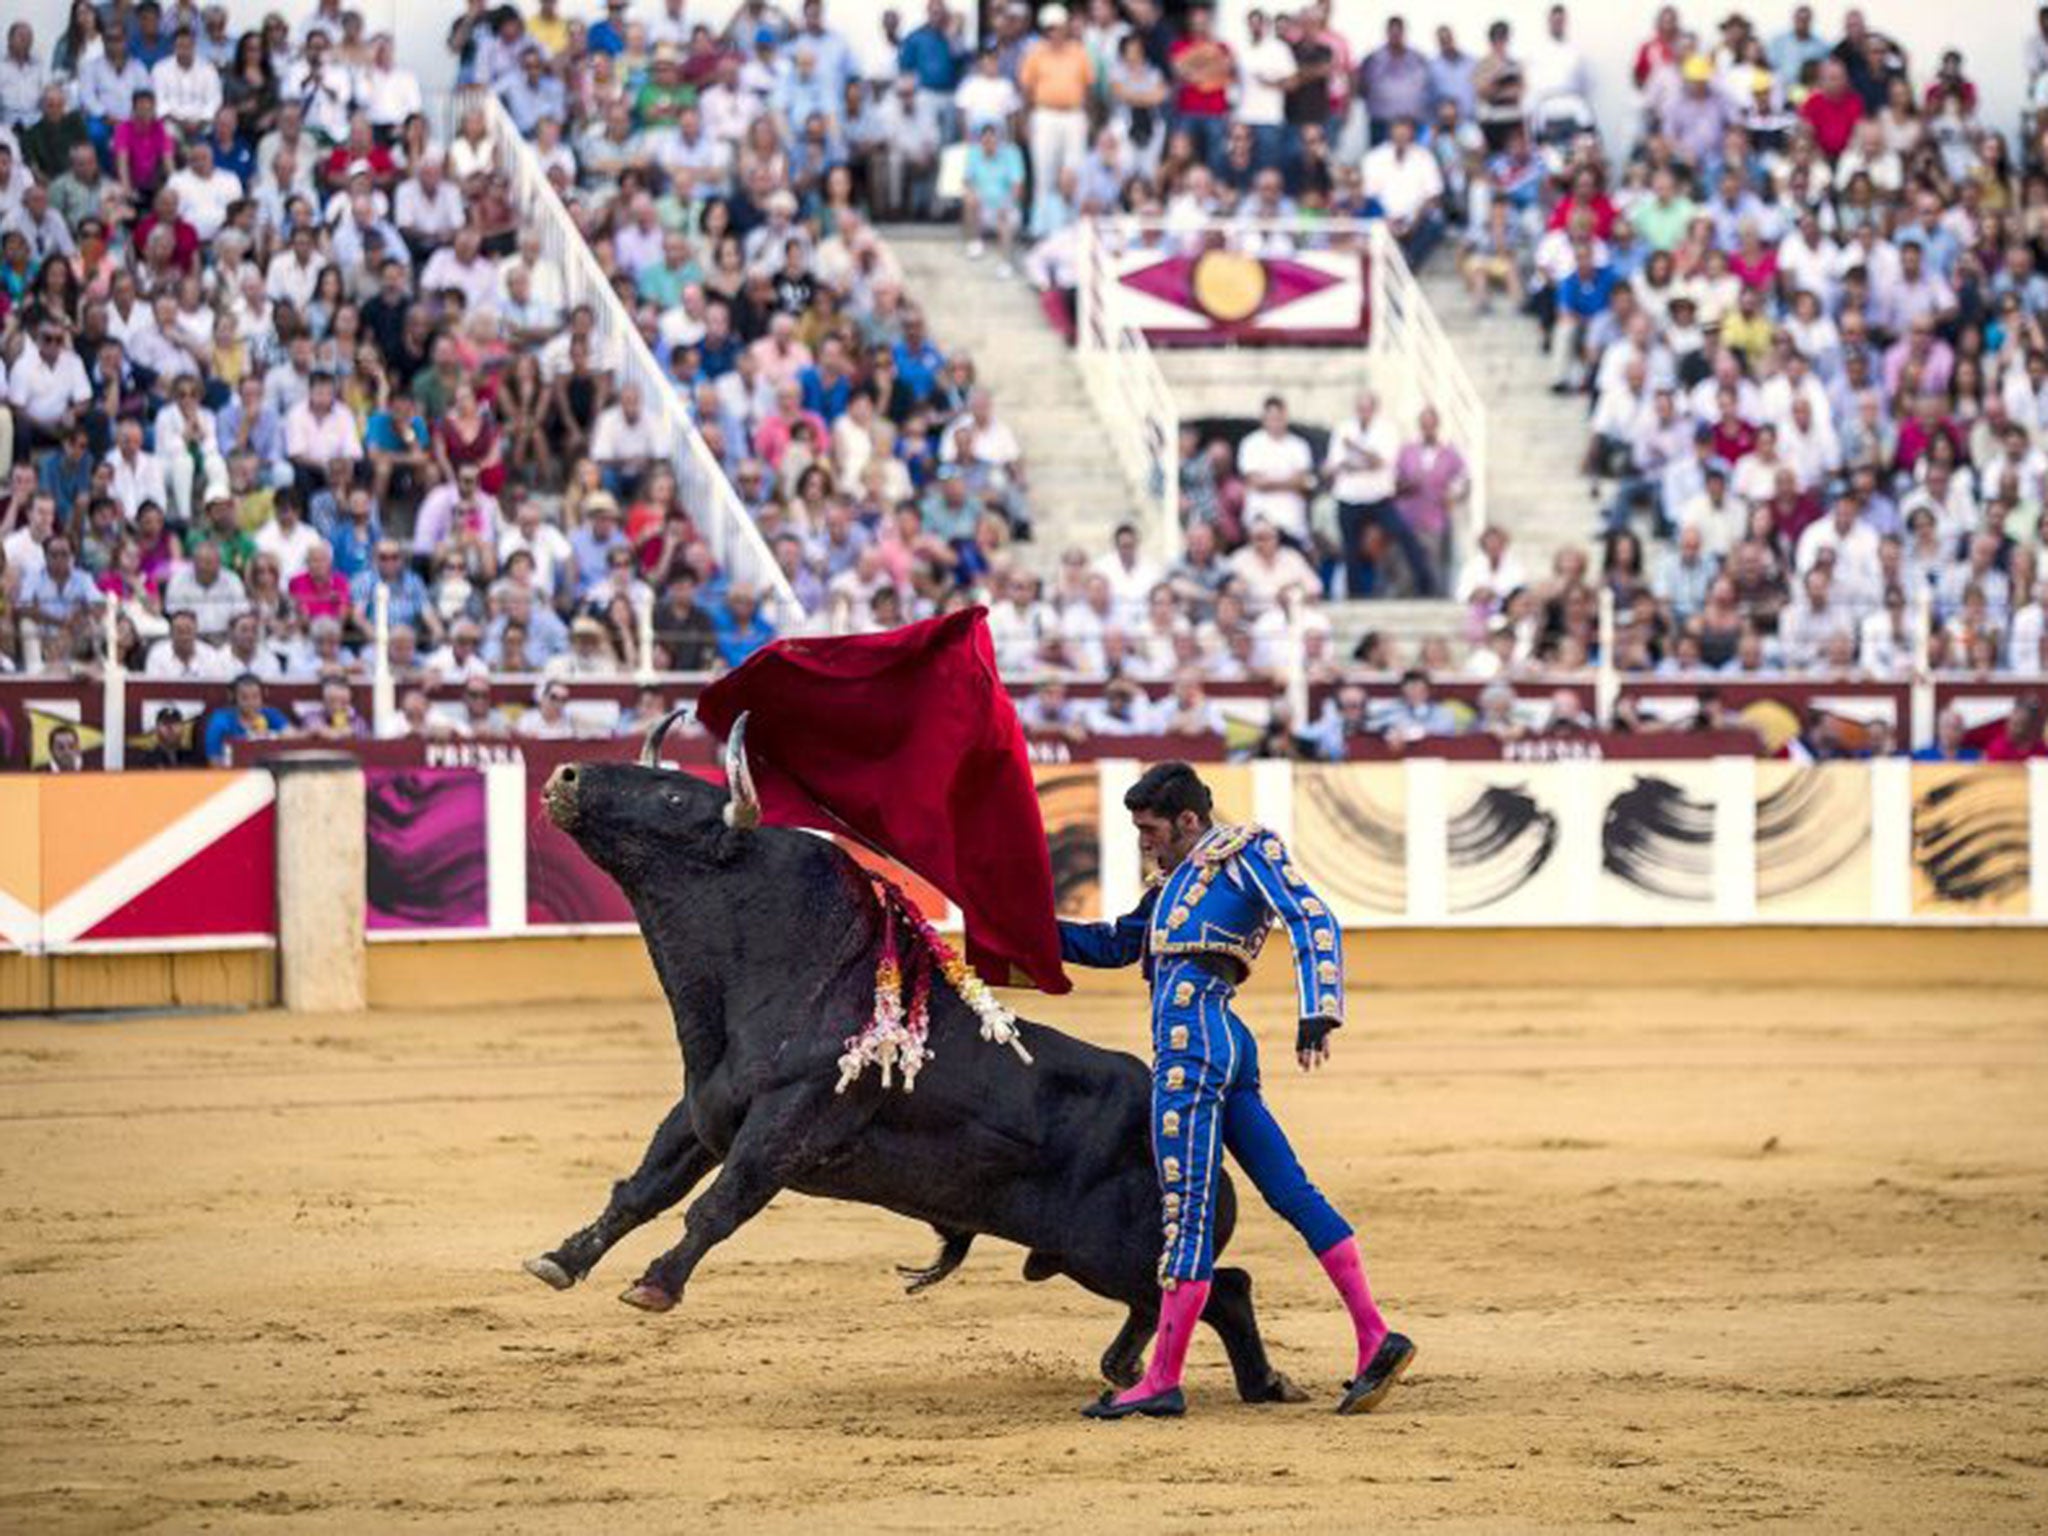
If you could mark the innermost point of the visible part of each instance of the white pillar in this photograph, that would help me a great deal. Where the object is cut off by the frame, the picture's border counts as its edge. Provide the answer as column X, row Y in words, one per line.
column 321, row 883
column 383, row 709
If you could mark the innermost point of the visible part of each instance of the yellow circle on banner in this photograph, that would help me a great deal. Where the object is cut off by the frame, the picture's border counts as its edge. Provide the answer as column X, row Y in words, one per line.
column 1228, row 285
column 1772, row 721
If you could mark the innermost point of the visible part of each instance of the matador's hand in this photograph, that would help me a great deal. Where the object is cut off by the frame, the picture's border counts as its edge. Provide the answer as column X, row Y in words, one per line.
column 1312, row 1042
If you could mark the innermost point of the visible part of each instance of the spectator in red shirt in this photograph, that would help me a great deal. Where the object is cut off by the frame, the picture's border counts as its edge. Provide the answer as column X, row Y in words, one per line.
column 163, row 213
column 1833, row 111
column 1589, row 194
column 1202, row 70
column 319, row 590
column 1661, row 49
column 1733, row 437
column 2018, row 736
column 1918, row 431
column 359, row 151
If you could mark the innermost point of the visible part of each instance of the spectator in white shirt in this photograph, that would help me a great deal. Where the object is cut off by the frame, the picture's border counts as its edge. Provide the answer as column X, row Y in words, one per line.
column 1278, row 467
column 181, row 655
column 428, row 209
column 388, row 94
column 1269, row 569
column 188, row 442
column 287, row 538
column 22, row 77
column 138, row 475
column 1405, row 180
column 205, row 191
column 1130, row 577
column 1491, row 571
column 318, row 431
column 1360, row 463
column 47, row 387
column 1559, row 83
column 294, row 272
column 624, row 442
column 212, row 594
column 462, row 265
column 187, row 86
column 1807, row 443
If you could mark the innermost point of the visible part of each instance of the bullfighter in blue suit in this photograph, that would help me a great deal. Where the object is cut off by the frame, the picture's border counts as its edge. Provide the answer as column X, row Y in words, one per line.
column 1197, row 932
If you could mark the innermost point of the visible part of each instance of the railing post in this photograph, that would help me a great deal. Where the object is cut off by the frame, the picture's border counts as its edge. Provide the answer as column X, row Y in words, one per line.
column 1607, row 677
column 382, row 706
column 113, row 694
column 1085, row 299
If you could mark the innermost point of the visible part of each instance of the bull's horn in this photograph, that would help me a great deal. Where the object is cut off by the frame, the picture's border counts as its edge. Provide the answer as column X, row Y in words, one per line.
column 650, row 747
column 744, row 808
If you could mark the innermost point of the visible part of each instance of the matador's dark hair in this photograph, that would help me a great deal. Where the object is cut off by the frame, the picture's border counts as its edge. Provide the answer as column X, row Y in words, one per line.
column 1167, row 789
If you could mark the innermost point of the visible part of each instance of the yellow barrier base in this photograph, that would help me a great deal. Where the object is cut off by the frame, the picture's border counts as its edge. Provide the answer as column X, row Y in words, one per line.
column 200, row 978
column 616, row 968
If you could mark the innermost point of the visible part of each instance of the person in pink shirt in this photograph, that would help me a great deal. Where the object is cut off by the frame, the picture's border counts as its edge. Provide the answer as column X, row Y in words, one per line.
column 319, row 589
column 1833, row 111
column 143, row 148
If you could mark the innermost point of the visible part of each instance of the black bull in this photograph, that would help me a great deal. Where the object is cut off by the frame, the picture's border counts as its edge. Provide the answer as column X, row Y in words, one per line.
column 765, row 941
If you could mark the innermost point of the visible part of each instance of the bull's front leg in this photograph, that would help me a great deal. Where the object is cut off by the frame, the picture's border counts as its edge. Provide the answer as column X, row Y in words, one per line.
column 673, row 1163
column 779, row 1138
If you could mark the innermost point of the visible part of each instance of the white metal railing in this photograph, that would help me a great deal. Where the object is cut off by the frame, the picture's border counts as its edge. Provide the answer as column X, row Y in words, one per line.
column 1130, row 395
column 1414, row 364
column 721, row 517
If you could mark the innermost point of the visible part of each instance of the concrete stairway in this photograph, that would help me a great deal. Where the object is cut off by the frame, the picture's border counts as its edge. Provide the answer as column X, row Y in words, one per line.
column 1077, row 486
column 1535, row 490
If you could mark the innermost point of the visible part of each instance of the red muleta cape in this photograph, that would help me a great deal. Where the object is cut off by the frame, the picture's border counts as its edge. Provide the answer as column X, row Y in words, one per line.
column 908, row 741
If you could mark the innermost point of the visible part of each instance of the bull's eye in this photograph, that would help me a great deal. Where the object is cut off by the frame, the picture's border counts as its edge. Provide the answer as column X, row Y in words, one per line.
column 673, row 799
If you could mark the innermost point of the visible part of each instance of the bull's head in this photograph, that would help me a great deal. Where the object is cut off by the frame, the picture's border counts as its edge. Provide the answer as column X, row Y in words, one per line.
column 636, row 818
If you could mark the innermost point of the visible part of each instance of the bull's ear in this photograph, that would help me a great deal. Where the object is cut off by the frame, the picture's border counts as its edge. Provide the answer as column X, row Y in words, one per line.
column 743, row 809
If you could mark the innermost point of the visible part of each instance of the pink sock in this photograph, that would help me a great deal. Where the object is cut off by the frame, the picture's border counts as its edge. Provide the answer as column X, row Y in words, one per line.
column 1346, row 1270
column 1179, row 1310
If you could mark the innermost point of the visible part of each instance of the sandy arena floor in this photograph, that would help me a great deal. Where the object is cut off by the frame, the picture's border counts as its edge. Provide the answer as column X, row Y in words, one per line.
column 1673, row 1259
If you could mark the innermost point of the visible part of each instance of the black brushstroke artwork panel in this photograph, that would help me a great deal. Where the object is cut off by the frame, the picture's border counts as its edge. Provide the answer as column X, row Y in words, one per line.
column 1498, row 843
column 1660, row 840
column 1970, row 840
column 1806, row 829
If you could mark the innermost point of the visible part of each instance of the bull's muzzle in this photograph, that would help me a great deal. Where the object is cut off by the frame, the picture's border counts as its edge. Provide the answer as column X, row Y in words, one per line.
column 558, row 796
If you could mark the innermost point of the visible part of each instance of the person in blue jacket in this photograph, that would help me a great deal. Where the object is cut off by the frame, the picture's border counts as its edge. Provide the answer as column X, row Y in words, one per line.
column 1197, row 931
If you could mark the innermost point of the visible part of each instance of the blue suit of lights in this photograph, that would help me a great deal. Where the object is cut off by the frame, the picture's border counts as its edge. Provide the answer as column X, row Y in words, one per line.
column 1220, row 901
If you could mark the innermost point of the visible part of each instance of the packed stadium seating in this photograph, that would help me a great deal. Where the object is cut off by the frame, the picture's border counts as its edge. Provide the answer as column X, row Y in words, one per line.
column 299, row 391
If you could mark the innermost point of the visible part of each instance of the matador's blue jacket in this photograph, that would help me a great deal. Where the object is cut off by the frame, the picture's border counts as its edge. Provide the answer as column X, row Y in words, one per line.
column 1222, row 901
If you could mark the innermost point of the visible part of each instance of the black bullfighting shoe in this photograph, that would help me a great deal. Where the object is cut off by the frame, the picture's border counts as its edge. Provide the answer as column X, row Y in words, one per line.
column 1170, row 1404
column 1364, row 1391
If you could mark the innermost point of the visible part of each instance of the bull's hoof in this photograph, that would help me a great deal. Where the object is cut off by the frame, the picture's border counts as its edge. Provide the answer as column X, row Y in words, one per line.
column 648, row 1298
column 1278, row 1388
column 549, row 1273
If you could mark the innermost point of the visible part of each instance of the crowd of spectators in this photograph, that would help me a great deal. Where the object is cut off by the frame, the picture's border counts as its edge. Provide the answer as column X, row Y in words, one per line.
column 1805, row 312
column 280, row 354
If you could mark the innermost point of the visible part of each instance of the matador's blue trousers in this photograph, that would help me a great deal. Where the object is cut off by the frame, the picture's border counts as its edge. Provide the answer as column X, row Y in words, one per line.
column 1206, row 1099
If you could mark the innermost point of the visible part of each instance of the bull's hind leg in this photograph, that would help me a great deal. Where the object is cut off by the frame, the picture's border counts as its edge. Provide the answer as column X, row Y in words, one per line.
column 1230, row 1313
column 669, row 1169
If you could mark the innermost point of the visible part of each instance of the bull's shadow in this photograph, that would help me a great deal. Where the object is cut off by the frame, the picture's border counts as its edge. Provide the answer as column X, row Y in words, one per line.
column 766, row 940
